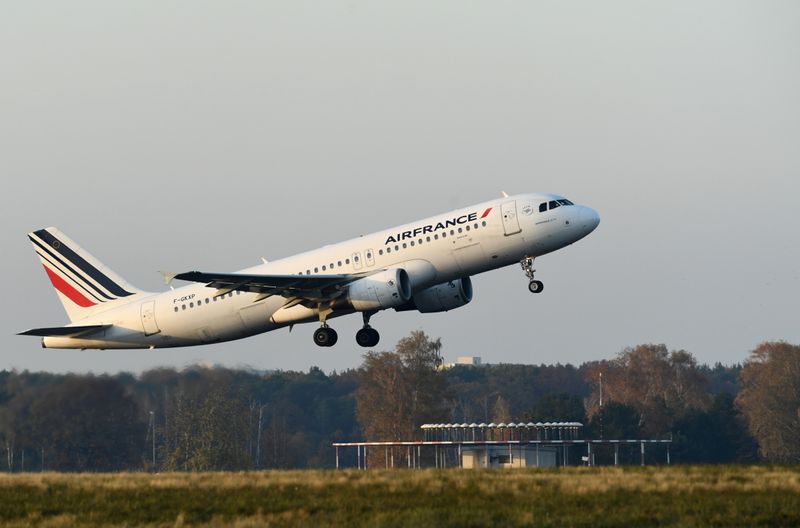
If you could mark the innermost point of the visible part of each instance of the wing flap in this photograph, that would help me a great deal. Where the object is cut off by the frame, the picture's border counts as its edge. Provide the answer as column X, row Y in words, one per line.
column 65, row 331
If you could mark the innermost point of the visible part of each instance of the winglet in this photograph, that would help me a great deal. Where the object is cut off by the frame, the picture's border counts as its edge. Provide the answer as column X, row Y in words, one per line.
column 168, row 277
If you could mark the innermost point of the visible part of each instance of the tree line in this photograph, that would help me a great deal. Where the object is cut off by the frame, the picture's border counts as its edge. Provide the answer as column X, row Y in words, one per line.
column 200, row 419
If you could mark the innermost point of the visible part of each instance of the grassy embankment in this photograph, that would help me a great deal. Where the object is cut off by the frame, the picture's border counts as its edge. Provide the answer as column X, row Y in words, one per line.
column 678, row 495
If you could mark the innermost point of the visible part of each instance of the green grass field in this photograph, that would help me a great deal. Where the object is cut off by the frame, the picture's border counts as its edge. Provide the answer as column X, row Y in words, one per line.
column 631, row 496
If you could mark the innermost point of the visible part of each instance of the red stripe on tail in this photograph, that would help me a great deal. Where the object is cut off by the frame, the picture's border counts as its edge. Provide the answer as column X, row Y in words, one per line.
column 486, row 213
column 64, row 287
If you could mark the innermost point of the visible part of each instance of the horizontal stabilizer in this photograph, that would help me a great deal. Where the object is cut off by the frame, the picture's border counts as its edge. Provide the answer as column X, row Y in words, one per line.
column 65, row 331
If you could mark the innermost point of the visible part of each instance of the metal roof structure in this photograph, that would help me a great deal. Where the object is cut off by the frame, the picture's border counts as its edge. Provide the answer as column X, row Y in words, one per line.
column 502, row 431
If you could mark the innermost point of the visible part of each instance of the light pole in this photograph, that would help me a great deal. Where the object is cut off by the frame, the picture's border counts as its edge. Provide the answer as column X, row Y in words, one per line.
column 153, row 431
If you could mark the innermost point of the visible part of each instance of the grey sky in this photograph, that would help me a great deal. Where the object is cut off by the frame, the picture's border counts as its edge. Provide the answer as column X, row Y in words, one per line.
column 203, row 135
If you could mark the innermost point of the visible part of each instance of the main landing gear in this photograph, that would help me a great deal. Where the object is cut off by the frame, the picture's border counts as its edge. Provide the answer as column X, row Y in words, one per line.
column 325, row 336
column 534, row 286
column 367, row 336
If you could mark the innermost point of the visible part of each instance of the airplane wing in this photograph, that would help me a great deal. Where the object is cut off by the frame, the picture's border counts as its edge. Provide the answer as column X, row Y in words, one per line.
column 315, row 288
column 66, row 331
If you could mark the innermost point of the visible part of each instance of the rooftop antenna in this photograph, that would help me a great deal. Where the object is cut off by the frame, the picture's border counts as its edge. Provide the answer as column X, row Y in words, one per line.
column 505, row 195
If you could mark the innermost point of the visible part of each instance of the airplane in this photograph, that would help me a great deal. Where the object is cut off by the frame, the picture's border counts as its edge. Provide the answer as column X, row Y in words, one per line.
column 426, row 266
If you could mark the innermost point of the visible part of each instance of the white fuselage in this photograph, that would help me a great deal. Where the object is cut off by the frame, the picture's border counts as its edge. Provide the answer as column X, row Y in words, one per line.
column 435, row 250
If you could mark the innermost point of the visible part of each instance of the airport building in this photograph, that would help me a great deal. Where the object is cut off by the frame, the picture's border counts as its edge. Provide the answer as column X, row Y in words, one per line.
column 512, row 445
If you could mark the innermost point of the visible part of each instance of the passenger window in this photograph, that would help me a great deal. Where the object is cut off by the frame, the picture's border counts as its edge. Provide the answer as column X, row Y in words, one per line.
column 316, row 270
column 436, row 236
column 389, row 249
column 380, row 252
column 405, row 245
column 553, row 204
column 183, row 307
column 483, row 223
column 191, row 305
column 176, row 308
column 412, row 243
column 476, row 226
column 543, row 207
column 324, row 268
column 467, row 228
column 427, row 239
column 444, row 235
column 397, row 248
column 207, row 300
column 347, row 261
column 419, row 241
column 340, row 263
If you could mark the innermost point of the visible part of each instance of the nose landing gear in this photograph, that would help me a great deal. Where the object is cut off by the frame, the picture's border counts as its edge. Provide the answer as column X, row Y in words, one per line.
column 534, row 286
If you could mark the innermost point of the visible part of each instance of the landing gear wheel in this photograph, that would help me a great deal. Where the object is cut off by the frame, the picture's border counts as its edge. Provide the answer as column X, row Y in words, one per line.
column 325, row 337
column 536, row 286
column 367, row 337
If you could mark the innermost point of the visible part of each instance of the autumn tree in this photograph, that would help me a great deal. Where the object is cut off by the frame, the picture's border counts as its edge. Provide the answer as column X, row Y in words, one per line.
column 769, row 398
column 400, row 390
column 660, row 385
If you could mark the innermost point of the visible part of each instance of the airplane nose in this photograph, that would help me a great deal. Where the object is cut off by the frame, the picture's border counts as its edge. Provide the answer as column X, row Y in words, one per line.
column 589, row 219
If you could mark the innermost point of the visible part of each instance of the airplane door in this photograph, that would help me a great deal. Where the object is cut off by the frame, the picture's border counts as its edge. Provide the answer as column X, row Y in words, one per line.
column 510, row 220
column 370, row 257
column 149, row 318
column 357, row 261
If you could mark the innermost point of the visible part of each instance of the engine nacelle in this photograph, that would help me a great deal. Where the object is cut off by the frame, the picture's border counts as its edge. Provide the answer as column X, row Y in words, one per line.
column 386, row 289
column 442, row 297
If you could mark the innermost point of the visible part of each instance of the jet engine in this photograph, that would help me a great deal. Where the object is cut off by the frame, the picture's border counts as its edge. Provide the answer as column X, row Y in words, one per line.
column 441, row 298
column 386, row 289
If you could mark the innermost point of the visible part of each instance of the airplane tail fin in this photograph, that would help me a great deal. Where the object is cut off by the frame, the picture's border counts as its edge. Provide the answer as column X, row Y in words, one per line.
column 83, row 284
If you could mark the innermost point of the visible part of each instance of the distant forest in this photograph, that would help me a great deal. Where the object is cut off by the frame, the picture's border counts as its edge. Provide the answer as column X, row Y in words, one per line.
column 200, row 419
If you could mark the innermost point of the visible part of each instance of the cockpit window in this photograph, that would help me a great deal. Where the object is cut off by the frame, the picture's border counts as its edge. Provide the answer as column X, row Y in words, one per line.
column 543, row 207
column 554, row 204
column 565, row 202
